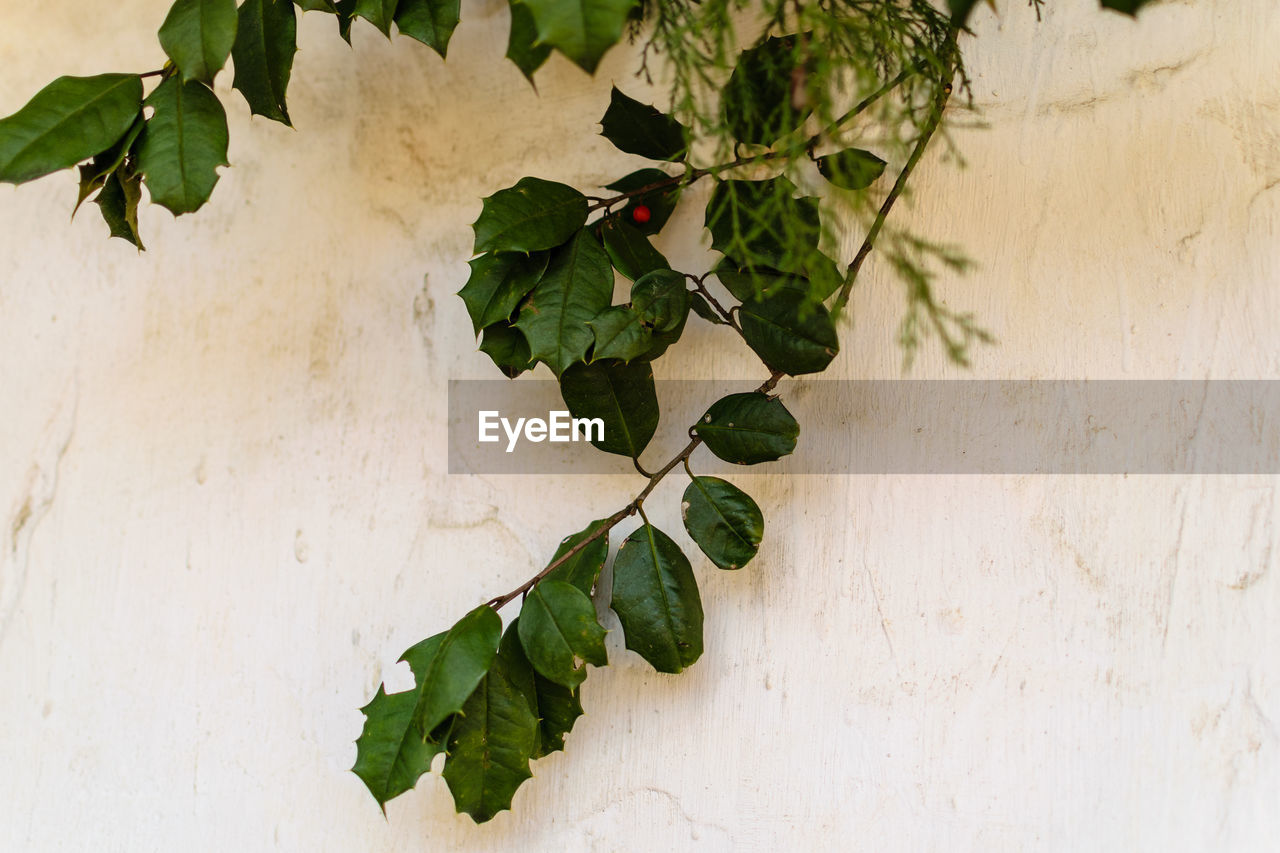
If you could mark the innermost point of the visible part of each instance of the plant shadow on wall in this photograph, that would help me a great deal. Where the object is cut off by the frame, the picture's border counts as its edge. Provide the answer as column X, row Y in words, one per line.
column 810, row 132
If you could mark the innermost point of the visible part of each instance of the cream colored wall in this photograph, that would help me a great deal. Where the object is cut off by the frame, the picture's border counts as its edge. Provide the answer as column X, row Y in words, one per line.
column 225, row 510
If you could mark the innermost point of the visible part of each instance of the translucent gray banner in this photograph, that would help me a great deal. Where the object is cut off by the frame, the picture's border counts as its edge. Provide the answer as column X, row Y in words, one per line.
column 907, row 427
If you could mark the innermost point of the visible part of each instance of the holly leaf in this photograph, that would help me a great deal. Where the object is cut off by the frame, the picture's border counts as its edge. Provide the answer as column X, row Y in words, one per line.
column 197, row 35
column 93, row 176
column 560, row 633
column 852, row 169
column 621, row 395
column 493, row 738
column 656, row 598
column 758, row 99
column 523, row 47
column 317, row 6
column 529, row 217
column 1128, row 7
column 660, row 202
column 577, row 286
column 789, row 332
column 559, row 707
column 264, row 48
column 68, row 121
column 619, row 334
column 583, row 568
column 448, row 666
column 497, row 284
column 723, row 520
column 391, row 752
column 629, row 249
column 581, row 29
column 761, row 215
column 704, row 310
column 183, row 145
column 380, row 13
column 431, row 22
column 346, row 11
column 118, row 201
column 503, row 343
column 748, row 428
column 638, row 128
column 661, row 299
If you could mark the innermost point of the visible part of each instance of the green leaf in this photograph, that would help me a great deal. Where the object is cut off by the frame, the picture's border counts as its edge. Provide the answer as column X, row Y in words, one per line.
column 789, row 332
column 748, row 428
column 529, row 217
column 93, row 176
column 503, row 343
column 1129, row 7
column 661, row 299
column 852, row 169
column 498, row 283
column 747, row 282
column 583, row 568
column 661, row 202
column 118, row 202
column 638, row 128
column 523, row 47
column 629, row 249
column 431, row 22
column 557, row 707
column 70, row 120
column 380, row 13
column 960, row 10
column 621, row 395
column 197, row 35
column 391, row 752
column 515, row 666
column 317, row 6
column 560, row 633
column 346, row 10
column 492, row 741
column 704, row 310
column 620, row 335
column 183, row 145
column 263, row 54
column 766, row 216
column 663, row 340
column 724, row 521
column 577, row 286
column 448, row 666
column 656, row 598
column 758, row 99
column 581, row 29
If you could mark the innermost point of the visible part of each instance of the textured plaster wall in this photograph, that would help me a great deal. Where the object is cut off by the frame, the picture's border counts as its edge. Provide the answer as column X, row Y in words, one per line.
column 224, row 510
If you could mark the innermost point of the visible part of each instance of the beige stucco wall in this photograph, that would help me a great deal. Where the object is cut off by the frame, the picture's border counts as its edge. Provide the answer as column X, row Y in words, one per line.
column 224, row 510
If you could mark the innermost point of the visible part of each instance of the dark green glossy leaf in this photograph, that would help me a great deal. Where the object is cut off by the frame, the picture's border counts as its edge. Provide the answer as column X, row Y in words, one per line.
column 391, row 752
column 621, row 395
column 560, row 633
column 448, row 666
column 263, row 54
column 704, row 310
column 380, row 13
column 183, row 145
column 724, row 521
column 493, row 738
column 529, row 217
column 498, row 283
column 557, row 707
column 503, row 343
column 756, row 212
column 620, row 335
column 68, row 121
column 852, row 169
column 638, row 128
column 748, row 428
column 663, row 340
column 516, row 667
column 346, row 10
column 431, row 22
column 758, row 99
column 577, row 286
column 661, row 299
column 197, row 35
column 1129, row 7
column 523, row 47
column 746, row 282
column 118, row 202
column 584, row 567
column 961, row 9
column 93, row 175
column 656, row 598
column 317, row 6
column 789, row 332
column 629, row 249
column 660, row 202
column 581, row 29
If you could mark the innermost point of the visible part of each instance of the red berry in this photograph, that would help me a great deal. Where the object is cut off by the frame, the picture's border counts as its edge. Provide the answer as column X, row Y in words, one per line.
column 641, row 214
